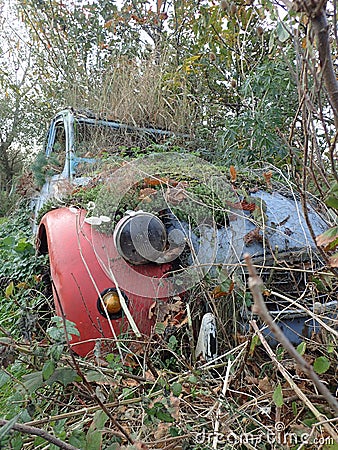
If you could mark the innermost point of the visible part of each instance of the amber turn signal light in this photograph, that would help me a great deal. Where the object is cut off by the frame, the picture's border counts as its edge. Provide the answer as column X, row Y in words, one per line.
column 109, row 303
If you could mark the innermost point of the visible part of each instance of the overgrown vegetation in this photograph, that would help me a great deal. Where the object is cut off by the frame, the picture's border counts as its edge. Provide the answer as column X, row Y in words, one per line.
column 153, row 388
column 242, row 80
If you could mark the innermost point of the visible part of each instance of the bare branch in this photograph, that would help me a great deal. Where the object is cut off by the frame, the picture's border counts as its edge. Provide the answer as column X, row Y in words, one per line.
column 38, row 432
column 256, row 285
column 300, row 394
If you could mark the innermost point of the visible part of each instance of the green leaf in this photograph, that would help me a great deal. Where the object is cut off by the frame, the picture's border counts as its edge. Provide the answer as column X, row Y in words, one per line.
column 32, row 381
column 57, row 332
column 282, row 32
column 333, row 446
column 301, row 348
column 294, row 408
column 321, row 365
column 9, row 289
column 172, row 343
column 5, row 429
column 93, row 375
column 165, row 416
column 332, row 197
column 192, row 379
column 48, row 369
column 332, row 201
column 161, row 412
column 176, row 389
column 330, row 347
column 278, row 396
column 254, row 342
column 8, row 242
column 78, row 439
column 159, row 328
column 63, row 375
column 24, row 246
column 94, row 435
column 4, row 377
column 16, row 442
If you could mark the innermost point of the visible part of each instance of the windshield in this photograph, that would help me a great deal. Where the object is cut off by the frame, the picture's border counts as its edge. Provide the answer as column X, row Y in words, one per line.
column 93, row 139
column 99, row 144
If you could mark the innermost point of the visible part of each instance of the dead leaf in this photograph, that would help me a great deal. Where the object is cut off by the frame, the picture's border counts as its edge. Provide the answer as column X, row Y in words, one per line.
column 267, row 177
column 175, row 403
column 146, row 193
column 154, row 181
column 175, row 195
column 220, row 292
column 168, row 313
column 109, row 23
column 333, row 260
column 161, row 430
column 244, row 205
column 233, row 174
column 328, row 239
column 264, row 385
column 253, row 236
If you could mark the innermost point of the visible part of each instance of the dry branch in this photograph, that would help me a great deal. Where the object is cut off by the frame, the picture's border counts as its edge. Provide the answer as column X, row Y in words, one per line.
column 300, row 394
column 316, row 12
column 38, row 432
column 256, row 286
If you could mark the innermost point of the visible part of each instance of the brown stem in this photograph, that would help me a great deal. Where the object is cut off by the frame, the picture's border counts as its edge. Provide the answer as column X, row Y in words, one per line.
column 38, row 432
column 256, row 285
column 321, row 29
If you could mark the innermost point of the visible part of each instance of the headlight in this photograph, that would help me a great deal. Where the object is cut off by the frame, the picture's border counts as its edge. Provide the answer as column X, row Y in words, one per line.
column 110, row 298
column 140, row 237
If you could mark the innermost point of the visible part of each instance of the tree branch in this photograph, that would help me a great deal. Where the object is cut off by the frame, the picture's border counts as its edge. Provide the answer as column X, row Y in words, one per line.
column 38, row 432
column 300, row 394
column 256, row 285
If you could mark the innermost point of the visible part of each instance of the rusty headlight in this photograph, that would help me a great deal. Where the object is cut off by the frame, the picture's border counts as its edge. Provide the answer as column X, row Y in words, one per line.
column 140, row 237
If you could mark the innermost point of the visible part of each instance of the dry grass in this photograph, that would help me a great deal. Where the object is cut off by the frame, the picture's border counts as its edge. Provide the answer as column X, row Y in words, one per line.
column 141, row 93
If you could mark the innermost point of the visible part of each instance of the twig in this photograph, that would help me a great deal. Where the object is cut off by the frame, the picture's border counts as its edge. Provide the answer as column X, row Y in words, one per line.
column 84, row 379
column 38, row 432
column 300, row 394
column 297, row 305
column 218, row 412
column 256, row 286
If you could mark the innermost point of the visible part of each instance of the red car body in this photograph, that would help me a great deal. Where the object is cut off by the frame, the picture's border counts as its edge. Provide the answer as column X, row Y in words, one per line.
column 78, row 279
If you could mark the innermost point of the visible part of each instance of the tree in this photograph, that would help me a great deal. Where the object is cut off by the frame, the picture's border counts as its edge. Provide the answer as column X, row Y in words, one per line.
column 19, row 98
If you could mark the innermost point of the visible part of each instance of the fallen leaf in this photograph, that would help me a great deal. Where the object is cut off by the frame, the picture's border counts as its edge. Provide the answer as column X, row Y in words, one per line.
column 162, row 430
column 109, row 23
column 328, row 239
column 219, row 291
column 146, row 193
column 175, row 195
column 253, row 236
column 244, row 205
column 154, row 181
column 233, row 174
column 333, row 260
column 264, row 385
column 267, row 177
